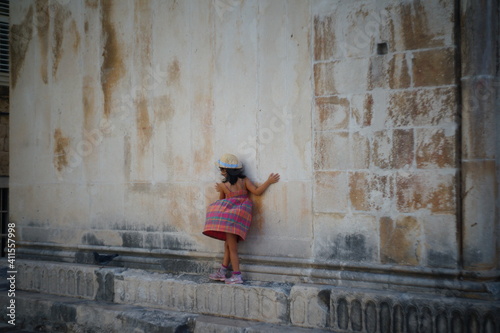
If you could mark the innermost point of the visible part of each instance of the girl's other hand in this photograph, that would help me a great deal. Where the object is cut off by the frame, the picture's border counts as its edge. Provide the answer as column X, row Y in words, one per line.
column 217, row 188
column 273, row 178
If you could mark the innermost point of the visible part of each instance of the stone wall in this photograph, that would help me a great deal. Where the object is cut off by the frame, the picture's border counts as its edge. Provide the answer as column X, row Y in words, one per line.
column 385, row 133
column 119, row 109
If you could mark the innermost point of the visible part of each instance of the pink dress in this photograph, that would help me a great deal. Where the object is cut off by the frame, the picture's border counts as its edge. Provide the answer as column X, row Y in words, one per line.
column 232, row 214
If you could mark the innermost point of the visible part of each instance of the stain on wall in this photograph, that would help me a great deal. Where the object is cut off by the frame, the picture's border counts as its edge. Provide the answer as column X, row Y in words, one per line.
column 143, row 31
column 174, row 72
column 112, row 68
column 349, row 247
column 61, row 150
column 88, row 96
column 42, row 20
column 20, row 36
column 143, row 124
column 60, row 16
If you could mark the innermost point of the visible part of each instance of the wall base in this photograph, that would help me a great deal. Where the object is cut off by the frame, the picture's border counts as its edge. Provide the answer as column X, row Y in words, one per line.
column 442, row 282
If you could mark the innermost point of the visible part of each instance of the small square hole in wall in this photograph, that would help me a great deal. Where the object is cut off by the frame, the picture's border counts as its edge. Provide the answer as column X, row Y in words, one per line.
column 382, row 48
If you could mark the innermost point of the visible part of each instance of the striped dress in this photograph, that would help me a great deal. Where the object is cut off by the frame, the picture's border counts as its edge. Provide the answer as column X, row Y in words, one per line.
column 232, row 214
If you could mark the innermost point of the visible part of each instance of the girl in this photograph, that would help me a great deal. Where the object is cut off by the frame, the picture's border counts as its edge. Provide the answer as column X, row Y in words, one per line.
column 229, row 218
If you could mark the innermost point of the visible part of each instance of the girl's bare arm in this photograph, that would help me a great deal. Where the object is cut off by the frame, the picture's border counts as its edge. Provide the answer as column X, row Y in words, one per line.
column 258, row 190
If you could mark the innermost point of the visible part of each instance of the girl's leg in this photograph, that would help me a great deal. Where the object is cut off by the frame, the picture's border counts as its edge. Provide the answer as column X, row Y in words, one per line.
column 220, row 274
column 227, row 259
column 232, row 247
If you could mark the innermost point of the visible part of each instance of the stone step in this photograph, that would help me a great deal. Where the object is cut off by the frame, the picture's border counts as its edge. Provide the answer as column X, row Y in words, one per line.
column 6, row 328
column 50, row 313
column 292, row 305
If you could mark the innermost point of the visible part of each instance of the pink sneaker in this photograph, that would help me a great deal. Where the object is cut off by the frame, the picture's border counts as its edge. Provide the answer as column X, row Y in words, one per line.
column 234, row 279
column 218, row 276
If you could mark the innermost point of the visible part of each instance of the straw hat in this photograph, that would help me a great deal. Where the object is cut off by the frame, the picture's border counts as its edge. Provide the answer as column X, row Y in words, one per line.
column 229, row 161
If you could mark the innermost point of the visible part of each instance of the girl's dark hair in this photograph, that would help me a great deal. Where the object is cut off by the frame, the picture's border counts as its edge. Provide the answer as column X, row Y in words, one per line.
column 233, row 175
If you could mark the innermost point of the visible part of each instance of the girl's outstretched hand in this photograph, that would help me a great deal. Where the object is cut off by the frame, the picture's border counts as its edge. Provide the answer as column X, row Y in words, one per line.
column 273, row 178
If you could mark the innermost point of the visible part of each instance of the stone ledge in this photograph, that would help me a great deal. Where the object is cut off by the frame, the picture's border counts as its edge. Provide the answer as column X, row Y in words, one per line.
column 266, row 302
column 299, row 305
column 432, row 281
column 50, row 313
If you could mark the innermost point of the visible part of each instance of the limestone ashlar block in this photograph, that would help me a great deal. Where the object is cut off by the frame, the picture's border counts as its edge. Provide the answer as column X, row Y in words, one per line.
column 391, row 71
column 347, row 31
column 332, row 113
column 324, row 37
column 362, row 109
column 310, row 306
column 393, row 149
column 329, row 76
column 332, row 151
column 419, row 24
column 370, row 192
column 479, row 99
column 479, row 222
column 341, row 150
column 243, row 301
column 400, row 240
column 434, row 67
column 436, row 148
column 422, row 107
column 346, row 237
column 58, row 279
column 434, row 191
column 441, row 243
column 330, row 191
column 362, row 311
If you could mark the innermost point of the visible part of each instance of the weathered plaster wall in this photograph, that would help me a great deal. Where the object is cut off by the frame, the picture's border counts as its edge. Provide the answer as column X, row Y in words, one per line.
column 121, row 107
column 125, row 105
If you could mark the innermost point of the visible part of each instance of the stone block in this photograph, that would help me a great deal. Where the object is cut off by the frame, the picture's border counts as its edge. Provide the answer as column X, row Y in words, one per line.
column 382, row 149
column 239, row 301
column 360, row 150
column 427, row 190
column 369, row 191
column 332, row 151
column 418, row 25
column 327, row 76
column 441, row 243
column 58, row 279
column 479, row 219
column 332, row 113
column 310, row 306
column 390, row 71
column 403, row 151
column 422, row 107
column 393, row 149
column 342, row 151
column 346, row 31
column 401, row 240
column 435, row 148
column 362, row 109
column 324, row 37
column 478, row 123
column 434, row 67
column 330, row 191
column 356, row 311
column 342, row 237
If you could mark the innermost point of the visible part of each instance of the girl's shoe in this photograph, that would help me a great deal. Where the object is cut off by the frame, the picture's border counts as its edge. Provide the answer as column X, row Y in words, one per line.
column 234, row 279
column 218, row 276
